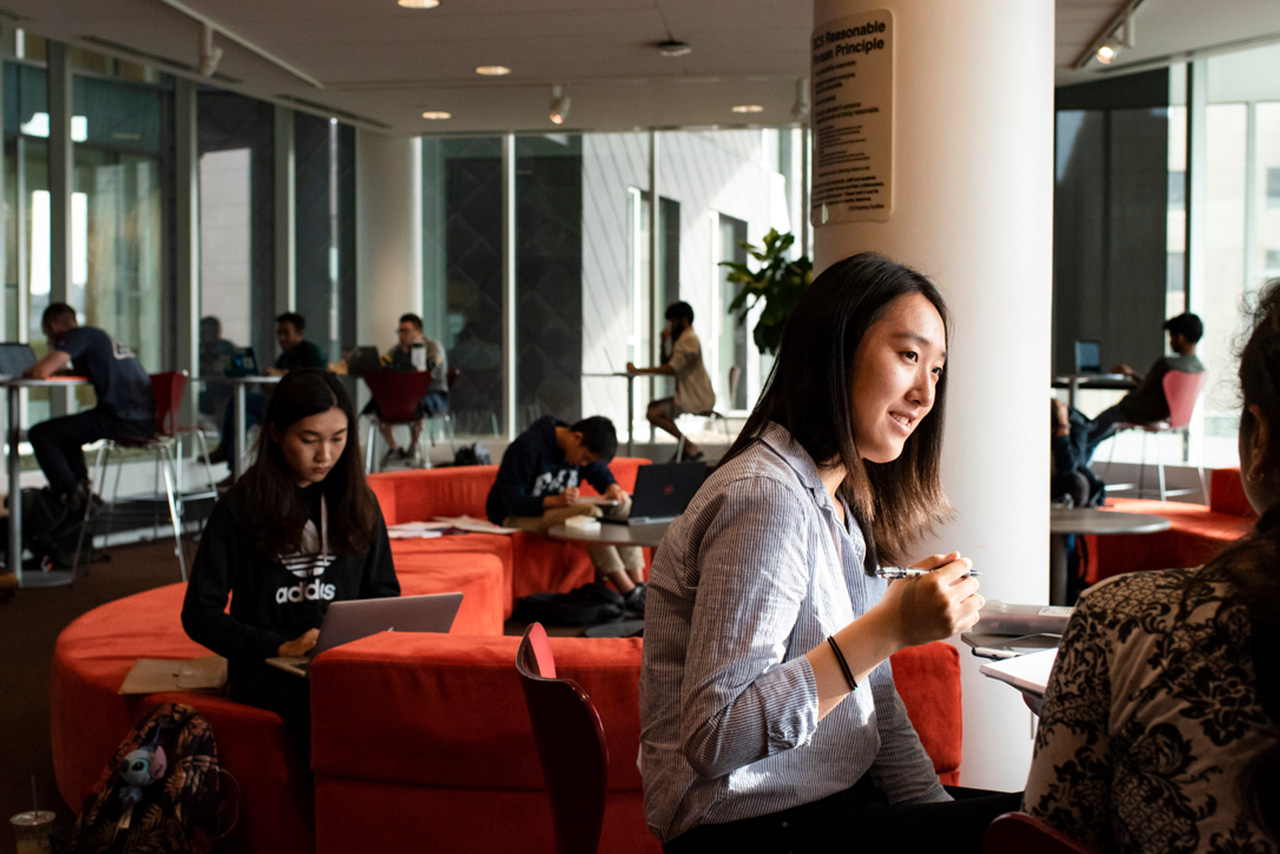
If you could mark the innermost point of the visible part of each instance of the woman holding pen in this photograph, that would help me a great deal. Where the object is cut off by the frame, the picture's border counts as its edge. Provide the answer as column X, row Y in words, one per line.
column 769, row 720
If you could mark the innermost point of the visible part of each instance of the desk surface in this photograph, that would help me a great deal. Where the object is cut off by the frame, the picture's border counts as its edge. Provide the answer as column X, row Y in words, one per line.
column 611, row 534
column 1100, row 381
column 1088, row 520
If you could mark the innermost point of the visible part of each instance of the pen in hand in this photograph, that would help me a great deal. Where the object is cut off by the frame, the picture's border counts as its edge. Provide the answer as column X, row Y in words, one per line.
column 912, row 572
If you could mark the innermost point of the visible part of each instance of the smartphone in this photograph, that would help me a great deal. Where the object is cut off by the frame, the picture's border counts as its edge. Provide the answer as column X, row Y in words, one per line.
column 1014, row 647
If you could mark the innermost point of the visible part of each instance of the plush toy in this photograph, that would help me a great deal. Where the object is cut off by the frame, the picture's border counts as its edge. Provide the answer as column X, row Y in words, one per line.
column 140, row 767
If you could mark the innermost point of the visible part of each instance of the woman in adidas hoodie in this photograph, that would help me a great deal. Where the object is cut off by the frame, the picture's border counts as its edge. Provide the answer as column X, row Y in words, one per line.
column 301, row 529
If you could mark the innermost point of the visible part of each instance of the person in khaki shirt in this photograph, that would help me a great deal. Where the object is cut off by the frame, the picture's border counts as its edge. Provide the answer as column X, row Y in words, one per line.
column 693, row 386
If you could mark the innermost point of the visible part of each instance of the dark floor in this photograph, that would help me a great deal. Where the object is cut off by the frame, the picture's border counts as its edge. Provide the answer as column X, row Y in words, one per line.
column 29, row 627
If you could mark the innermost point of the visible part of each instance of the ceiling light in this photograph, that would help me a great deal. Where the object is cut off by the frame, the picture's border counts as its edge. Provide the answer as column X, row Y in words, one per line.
column 418, row 4
column 800, row 109
column 559, row 105
column 492, row 70
column 209, row 54
column 1106, row 54
column 748, row 108
column 437, row 115
column 674, row 47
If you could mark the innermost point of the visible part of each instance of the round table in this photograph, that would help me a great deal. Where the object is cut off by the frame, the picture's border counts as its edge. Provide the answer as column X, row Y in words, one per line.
column 1064, row 521
column 613, row 534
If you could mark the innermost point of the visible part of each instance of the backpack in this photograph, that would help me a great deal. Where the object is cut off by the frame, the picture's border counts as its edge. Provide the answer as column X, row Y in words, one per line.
column 47, row 532
column 160, row 792
column 472, row 455
column 588, row 605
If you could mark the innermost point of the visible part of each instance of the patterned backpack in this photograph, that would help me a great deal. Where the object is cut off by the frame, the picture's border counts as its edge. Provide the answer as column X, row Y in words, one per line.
column 160, row 793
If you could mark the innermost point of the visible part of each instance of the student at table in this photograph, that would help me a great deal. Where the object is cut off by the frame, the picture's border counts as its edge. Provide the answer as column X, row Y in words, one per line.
column 301, row 529
column 126, row 406
column 1160, row 727
column 769, row 719
column 434, row 402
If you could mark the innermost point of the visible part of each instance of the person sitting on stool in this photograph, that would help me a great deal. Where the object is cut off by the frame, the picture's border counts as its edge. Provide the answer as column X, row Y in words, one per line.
column 126, row 404
column 434, row 402
column 693, row 387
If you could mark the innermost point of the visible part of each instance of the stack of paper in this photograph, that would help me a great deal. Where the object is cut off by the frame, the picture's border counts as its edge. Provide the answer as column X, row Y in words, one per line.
column 411, row 530
column 474, row 525
column 1028, row 673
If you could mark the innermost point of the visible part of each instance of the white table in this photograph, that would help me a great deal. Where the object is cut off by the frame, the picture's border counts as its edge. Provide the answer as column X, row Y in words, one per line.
column 239, row 384
column 1107, row 382
column 613, row 534
column 1064, row 521
column 46, row 578
column 631, row 405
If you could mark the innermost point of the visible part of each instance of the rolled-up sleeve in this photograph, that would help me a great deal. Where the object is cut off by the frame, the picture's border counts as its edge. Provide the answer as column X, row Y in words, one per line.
column 742, row 701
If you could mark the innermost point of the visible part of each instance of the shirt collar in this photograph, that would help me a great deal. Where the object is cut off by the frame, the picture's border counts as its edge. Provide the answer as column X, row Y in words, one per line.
column 779, row 438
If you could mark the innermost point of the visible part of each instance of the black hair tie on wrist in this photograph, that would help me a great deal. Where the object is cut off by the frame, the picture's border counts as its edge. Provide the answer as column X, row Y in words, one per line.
column 844, row 665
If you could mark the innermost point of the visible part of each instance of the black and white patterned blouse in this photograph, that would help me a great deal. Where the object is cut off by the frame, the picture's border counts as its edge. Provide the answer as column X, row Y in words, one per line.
column 1150, row 717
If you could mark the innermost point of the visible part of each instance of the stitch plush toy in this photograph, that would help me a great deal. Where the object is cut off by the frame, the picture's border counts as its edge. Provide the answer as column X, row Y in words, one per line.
column 140, row 767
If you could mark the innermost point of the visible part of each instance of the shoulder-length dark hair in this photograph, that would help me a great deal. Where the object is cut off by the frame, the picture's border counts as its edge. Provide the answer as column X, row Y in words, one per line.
column 278, row 512
column 810, row 392
column 1252, row 563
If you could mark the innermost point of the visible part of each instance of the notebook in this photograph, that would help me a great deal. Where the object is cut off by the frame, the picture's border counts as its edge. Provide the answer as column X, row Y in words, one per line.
column 362, row 359
column 662, row 492
column 353, row 619
column 15, row 358
column 242, row 362
column 1088, row 357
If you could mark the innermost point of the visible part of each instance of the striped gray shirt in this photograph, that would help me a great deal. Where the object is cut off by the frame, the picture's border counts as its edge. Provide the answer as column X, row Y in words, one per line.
column 758, row 571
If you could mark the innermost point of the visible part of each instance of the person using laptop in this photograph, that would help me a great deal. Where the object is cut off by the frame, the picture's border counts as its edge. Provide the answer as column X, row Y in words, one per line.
column 693, row 387
column 299, row 531
column 434, row 402
column 295, row 352
column 1146, row 403
column 126, row 406
column 769, row 719
column 537, row 488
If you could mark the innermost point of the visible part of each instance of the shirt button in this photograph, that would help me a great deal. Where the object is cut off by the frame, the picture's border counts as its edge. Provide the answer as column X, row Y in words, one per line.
column 786, row 824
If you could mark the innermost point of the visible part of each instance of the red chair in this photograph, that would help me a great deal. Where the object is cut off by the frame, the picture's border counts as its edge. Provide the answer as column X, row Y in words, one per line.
column 1019, row 833
column 167, row 388
column 1181, row 392
column 397, row 394
column 571, row 745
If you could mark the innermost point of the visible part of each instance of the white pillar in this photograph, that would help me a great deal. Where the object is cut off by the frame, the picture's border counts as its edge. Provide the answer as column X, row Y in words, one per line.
column 972, row 196
column 388, row 236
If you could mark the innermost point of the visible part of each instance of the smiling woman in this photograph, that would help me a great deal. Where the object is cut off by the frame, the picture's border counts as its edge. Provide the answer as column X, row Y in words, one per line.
column 769, row 717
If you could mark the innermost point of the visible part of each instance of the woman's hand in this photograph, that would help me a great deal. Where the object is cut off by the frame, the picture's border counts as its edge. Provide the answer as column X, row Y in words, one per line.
column 300, row 645
column 933, row 606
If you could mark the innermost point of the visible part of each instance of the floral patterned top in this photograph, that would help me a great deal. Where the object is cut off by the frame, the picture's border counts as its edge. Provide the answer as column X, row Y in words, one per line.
column 1149, row 718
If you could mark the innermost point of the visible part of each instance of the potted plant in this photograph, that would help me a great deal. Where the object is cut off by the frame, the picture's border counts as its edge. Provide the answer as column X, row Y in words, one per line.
column 779, row 282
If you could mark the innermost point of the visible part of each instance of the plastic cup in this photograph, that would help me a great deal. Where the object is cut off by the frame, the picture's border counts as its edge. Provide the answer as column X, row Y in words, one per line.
column 32, row 830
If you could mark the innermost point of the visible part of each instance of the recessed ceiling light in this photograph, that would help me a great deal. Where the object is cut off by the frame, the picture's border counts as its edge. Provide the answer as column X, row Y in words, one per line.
column 674, row 47
column 418, row 4
column 748, row 108
column 437, row 115
column 492, row 70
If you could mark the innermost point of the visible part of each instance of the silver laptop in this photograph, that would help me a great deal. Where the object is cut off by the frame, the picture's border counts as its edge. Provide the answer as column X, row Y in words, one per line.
column 353, row 619
column 662, row 492
column 15, row 358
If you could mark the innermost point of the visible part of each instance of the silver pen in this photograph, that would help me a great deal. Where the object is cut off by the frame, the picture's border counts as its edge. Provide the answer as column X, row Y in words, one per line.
column 912, row 572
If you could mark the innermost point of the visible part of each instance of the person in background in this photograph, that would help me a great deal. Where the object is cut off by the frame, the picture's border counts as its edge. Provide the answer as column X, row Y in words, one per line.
column 126, row 406
column 1146, row 403
column 300, row 530
column 537, row 488
column 684, row 362
column 434, row 402
column 1160, row 727
column 295, row 352
column 214, row 353
column 769, row 719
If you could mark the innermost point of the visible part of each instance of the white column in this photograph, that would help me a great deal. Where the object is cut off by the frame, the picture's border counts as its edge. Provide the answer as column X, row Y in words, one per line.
column 972, row 196
column 388, row 236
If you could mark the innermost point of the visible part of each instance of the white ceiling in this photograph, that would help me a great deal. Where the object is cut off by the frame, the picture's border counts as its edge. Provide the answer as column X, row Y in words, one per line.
column 381, row 66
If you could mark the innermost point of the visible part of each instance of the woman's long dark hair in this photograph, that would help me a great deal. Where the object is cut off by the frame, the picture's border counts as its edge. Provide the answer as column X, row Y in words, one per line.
column 1253, row 562
column 810, row 392
column 278, row 512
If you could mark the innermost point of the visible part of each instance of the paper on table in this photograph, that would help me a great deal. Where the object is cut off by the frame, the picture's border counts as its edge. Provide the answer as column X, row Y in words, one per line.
column 1028, row 673
column 474, row 525
column 412, row 530
column 149, row 675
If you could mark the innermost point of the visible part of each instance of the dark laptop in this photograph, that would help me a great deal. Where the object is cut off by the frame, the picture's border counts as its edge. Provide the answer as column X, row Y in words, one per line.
column 662, row 492
column 353, row 619
column 15, row 358
column 362, row 359
column 1088, row 357
column 242, row 362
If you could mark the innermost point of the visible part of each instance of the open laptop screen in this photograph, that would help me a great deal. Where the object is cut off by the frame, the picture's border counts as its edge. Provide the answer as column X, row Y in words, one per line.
column 15, row 358
column 1088, row 357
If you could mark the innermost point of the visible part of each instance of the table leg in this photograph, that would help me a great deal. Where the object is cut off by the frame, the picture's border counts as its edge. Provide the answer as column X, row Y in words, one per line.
column 12, row 429
column 1072, row 386
column 1058, row 581
column 237, row 458
column 631, row 416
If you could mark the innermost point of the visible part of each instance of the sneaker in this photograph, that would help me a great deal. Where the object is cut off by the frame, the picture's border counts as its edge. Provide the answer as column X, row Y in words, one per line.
column 218, row 455
column 395, row 455
column 634, row 600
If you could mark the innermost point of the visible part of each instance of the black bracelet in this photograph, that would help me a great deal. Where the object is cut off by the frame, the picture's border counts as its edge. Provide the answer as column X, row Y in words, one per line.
column 844, row 665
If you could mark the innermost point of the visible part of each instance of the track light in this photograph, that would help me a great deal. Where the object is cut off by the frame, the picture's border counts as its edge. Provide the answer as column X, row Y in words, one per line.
column 559, row 105
column 1106, row 54
column 1123, row 36
column 209, row 54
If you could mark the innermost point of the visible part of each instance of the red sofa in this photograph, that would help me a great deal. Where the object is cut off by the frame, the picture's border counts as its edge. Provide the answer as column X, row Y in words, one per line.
column 1196, row 534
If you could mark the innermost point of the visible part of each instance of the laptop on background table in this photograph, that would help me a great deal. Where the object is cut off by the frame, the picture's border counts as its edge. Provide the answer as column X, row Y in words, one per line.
column 362, row 359
column 15, row 357
column 243, row 362
column 1088, row 357
column 353, row 619
column 662, row 492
